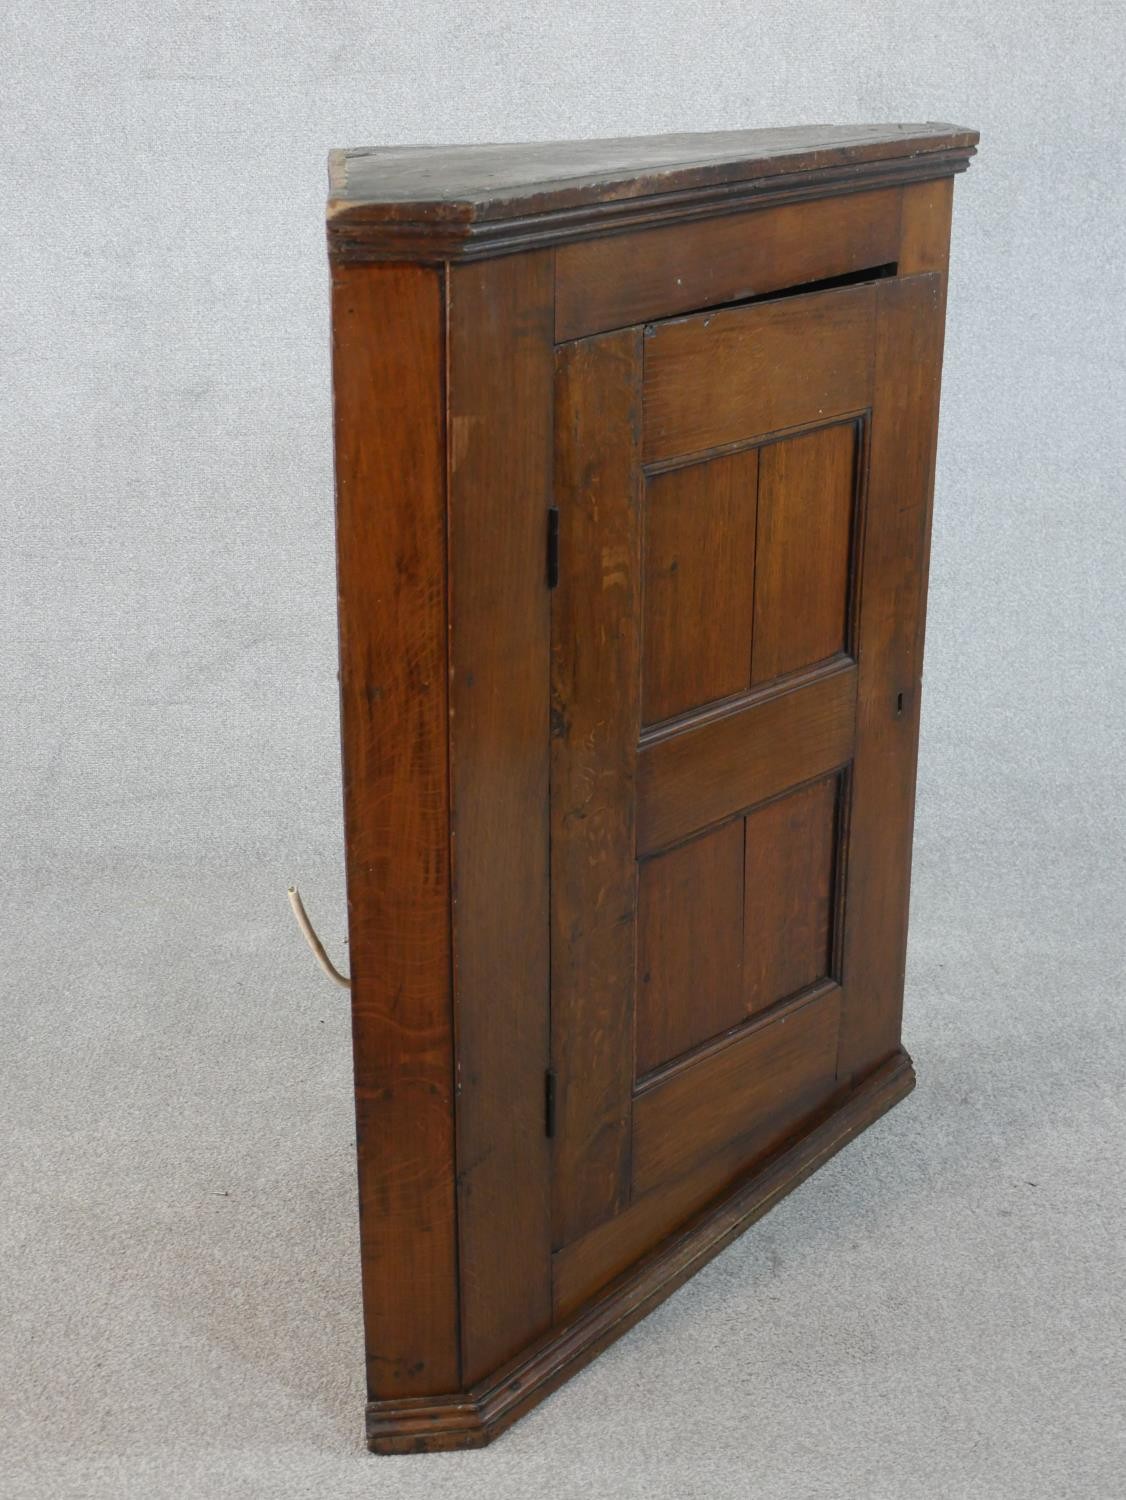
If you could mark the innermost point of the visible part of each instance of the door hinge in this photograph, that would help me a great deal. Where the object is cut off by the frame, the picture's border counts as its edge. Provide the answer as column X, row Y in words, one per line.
column 549, row 1103
column 552, row 546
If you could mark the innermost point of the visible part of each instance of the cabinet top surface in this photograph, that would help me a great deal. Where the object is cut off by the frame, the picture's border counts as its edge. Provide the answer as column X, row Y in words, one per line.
column 476, row 184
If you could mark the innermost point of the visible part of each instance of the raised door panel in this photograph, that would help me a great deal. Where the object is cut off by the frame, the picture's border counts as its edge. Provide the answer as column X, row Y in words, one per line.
column 789, row 894
column 690, row 946
column 699, row 572
column 803, row 570
column 735, row 921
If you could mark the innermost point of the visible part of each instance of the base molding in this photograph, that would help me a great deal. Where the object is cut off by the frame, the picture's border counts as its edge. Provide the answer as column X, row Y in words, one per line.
column 472, row 1418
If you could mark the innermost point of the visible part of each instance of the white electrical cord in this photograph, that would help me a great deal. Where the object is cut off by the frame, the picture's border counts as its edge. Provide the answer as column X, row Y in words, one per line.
column 313, row 940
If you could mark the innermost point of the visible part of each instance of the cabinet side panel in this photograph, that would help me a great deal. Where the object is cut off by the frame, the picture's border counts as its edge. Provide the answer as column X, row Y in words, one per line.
column 387, row 371
column 501, row 370
column 909, row 330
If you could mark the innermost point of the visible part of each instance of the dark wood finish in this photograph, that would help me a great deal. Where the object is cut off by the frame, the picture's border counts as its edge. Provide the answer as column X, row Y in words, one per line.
column 790, row 861
column 596, row 707
column 699, row 561
column 500, row 392
column 455, row 201
column 387, row 346
column 586, row 1265
column 734, row 375
column 727, row 762
column 705, row 380
column 925, row 209
column 690, row 950
column 611, row 282
column 765, row 1080
column 803, row 568
column 909, row 335
column 632, row 594
column 472, row 1418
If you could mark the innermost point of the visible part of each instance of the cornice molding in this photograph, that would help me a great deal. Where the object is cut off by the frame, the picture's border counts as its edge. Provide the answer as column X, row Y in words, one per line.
column 472, row 224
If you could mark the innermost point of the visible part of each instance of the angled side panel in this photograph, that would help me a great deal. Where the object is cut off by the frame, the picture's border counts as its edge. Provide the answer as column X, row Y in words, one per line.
column 390, row 485
column 501, row 365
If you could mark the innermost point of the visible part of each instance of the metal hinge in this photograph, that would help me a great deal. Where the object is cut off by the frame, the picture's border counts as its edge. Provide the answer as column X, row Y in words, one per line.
column 549, row 1103
column 552, row 546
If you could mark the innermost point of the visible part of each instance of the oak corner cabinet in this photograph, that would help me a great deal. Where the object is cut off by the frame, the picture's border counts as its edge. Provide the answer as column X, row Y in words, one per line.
column 635, row 448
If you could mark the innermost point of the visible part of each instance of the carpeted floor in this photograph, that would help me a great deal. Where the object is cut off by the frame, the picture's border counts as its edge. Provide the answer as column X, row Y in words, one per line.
column 939, row 1313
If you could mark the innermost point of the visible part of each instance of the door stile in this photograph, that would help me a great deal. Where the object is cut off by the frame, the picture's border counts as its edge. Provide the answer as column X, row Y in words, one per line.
column 596, row 722
column 909, row 334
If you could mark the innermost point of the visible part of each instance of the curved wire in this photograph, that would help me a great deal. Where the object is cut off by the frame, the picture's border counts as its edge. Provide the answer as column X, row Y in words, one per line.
column 313, row 940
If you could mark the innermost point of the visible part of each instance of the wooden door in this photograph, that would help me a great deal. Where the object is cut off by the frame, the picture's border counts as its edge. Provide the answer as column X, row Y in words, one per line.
column 743, row 501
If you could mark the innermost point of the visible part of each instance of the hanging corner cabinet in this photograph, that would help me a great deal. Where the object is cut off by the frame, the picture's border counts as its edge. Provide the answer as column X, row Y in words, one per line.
column 635, row 448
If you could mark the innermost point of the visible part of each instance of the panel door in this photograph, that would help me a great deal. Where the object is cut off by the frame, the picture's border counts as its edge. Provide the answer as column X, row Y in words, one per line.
column 743, row 506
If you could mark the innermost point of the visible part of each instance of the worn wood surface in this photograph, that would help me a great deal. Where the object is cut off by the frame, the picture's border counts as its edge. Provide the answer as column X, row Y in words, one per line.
column 690, row 950
column 500, row 397
column 445, row 202
column 494, row 181
column 649, row 829
column 909, row 334
column 656, row 273
column 387, row 372
column 744, row 372
column 755, row 419
column 787, row 928
column 803, row 570
column 699, row 555
column 925, row 227
column 766, row 1079
column 473, row 1417
column 596, row 708
column 727, row 762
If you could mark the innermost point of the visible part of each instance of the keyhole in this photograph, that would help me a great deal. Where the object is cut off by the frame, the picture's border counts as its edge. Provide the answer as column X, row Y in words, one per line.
column 899, row 706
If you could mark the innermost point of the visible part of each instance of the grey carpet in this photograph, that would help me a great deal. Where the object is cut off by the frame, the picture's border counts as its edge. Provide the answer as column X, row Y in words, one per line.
column 939, row 1313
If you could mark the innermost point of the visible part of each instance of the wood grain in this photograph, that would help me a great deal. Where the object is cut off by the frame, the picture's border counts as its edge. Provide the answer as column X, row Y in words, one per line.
column 445, row 202
column 387, row 371
column 744, row 372
column 699, row 583
column 501, row 393
column 657, row 273
column 790, row 854
column 704, row 775
column 690, row 946
column 489, row 180
column 892, row 620
column 474, row 1417
column 650, row 829
column 596, row 708
column 807, row 488
column 925, row 227
column 585, row 1266
column 766, row 1079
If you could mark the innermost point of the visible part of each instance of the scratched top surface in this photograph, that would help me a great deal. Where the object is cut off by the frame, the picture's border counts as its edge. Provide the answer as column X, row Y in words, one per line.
column 489, row 182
